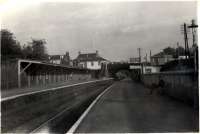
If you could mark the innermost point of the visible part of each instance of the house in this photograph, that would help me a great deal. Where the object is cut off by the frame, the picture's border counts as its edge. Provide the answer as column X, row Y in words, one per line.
column 151, row 69
column 55, row 59
column 181, row 57
column 60, row 59
column 161, row 59
column 145, row 68
column 134, row 60
column 89, row 60
column 66, row 60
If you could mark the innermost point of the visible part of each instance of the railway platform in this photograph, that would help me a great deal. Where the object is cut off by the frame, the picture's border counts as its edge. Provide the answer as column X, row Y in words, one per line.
column 127, row 107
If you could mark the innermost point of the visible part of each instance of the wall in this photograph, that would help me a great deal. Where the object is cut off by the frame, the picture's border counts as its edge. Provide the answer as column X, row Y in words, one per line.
column 95, row 65
column 25, row 113
column 179, row 85
column 151, row 69
column 161, row 60
column 88, row 65
column 56, row 61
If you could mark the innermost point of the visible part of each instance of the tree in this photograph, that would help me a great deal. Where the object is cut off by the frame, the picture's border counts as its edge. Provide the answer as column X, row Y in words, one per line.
column 39, row 49
column 27, row 51
column 180, row 51
column 10, row 47
column 169, row 51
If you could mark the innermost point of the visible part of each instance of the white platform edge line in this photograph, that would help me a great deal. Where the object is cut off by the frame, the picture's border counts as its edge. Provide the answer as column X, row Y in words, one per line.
column 15, row 96
column 77, row 123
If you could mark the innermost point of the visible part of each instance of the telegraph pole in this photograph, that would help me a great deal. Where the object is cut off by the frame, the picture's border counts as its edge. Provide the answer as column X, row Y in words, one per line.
column 177, row 49
column 186, row 42
column 193, row 26
column 139, row 52
column 146, row 58
column 178, row 53
column 150, row 56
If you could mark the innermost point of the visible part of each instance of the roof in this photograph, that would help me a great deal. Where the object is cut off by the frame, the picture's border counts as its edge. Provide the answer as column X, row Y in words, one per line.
column 89, row 57
column 161, row 55
column 48, row 64
column 55, row 57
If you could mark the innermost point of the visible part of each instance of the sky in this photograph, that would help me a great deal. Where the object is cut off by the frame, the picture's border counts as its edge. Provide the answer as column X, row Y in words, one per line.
column 115, row 29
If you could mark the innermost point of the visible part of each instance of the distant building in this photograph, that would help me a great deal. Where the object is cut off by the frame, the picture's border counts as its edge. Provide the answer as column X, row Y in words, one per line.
column 55, row 59
column 66, row 59
column 160, row 59
column 151, row 69
column 181, row 57
column 89, row 60
column 145, row 69
column 123, row 61
column 60, row 59
column 134, row 60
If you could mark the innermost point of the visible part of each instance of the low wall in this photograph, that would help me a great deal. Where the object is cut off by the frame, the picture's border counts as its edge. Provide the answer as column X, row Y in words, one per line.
column 23, row 114
column 180, row 85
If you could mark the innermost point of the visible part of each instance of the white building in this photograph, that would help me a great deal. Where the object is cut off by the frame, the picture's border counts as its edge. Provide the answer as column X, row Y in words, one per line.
column 161, row 59
column 146, row 69
column 89, row 60
column 60, row 59
column 56, row 59
column 182, row 57
column 151, row 69
column 134, row 60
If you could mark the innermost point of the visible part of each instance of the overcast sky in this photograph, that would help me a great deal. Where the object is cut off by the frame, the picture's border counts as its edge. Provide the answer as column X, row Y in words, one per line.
column 116, row 30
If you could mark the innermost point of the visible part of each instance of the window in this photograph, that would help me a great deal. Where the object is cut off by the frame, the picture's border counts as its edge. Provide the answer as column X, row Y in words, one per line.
column 99, row 63
column 92, row 63
column 81, row 65
column 148, row 70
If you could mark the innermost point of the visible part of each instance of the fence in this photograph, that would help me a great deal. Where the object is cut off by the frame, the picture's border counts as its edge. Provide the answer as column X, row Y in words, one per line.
column 8, row 74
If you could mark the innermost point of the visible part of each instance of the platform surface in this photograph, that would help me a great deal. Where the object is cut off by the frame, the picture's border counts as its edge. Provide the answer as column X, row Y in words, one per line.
column 128, row 107
column 19, row 91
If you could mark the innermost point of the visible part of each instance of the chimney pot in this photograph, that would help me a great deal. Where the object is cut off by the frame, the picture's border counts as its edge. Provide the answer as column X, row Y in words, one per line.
column 97, row 52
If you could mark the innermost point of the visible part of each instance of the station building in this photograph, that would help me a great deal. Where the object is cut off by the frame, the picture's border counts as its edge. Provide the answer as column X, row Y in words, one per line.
column 92, row 61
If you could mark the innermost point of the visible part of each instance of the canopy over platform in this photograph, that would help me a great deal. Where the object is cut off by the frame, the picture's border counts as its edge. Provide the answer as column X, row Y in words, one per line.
column 37, row 68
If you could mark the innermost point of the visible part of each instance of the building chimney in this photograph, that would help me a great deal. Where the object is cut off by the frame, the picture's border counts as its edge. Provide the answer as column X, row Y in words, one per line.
column 150, row 57
column 67, row 53
column 79, row 52
column 97, row 52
